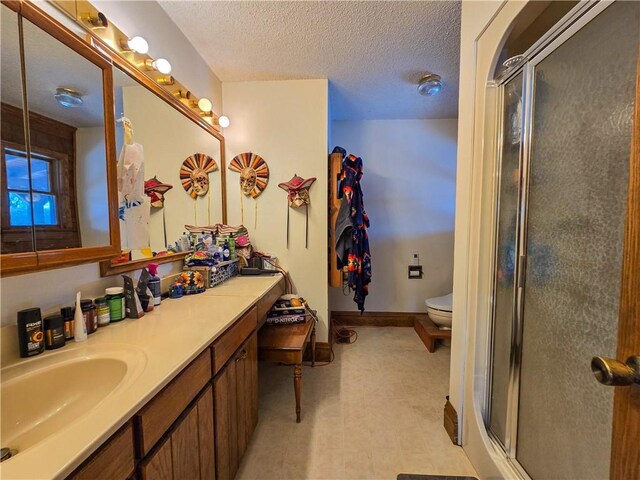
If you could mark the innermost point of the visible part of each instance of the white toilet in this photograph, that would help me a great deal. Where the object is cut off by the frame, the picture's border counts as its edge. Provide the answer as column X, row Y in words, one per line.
column 439, row 310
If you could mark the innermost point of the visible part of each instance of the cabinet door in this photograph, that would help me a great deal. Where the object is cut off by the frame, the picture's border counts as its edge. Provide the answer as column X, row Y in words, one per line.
column 158, row 465
column 247, row 392
column 185, row 448
column 205, row 435
column 252, row 360
column 226, row 422
column 243, row 399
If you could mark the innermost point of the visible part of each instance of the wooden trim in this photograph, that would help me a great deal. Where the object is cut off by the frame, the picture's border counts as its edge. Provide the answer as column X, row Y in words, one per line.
column 374, row 319
column 107, row 268
column 112, row 170
column 625, row 455
column 451, row 421
column 12, row 4
column 223, row 178
column 335, row 165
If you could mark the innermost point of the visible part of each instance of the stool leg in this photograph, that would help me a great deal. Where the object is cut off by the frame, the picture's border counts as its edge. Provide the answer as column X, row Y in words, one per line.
column 297, row 384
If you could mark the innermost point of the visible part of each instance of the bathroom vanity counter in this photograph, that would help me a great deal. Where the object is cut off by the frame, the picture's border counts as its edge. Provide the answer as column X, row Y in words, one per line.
column 154, row 349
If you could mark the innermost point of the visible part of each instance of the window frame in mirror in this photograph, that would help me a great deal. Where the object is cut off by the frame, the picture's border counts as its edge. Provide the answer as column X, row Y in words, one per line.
column 18, row 263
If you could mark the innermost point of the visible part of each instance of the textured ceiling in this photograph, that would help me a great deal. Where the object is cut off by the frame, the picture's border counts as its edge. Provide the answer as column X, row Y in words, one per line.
column 373, row 53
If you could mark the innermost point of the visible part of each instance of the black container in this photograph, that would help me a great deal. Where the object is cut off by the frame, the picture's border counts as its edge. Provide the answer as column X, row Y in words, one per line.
column 54, row 332
column 67, row 314
column 30, row 332
column 90, row 315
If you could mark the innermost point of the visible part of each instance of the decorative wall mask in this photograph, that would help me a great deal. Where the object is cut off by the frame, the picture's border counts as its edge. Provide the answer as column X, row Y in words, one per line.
column 298, row 195
column 254, row 173
column 194, row 174
column 155, row 190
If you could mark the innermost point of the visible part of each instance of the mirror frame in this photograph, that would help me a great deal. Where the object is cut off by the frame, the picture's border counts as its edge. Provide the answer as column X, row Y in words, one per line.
column 26, row 262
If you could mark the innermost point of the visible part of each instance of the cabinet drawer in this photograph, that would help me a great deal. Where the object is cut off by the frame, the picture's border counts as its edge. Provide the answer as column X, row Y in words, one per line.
column 266, row 302
column 231, row 340
column 115, row 460
column 157, row 416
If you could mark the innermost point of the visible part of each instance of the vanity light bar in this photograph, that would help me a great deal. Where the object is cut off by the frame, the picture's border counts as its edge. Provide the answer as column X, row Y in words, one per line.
column 134, row 51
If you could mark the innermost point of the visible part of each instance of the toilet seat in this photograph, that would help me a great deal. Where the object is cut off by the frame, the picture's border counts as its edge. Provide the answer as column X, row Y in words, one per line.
column 443, row 303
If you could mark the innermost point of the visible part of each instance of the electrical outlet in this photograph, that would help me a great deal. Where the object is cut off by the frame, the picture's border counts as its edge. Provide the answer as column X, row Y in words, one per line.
column 415, row 272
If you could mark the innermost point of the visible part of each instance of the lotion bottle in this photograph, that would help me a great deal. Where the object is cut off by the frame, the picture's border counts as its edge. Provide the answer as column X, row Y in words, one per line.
column 80, row 327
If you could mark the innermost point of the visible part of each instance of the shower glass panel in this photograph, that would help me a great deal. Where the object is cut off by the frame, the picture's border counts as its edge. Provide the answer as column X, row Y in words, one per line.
column 580, row 147
column 505, row 255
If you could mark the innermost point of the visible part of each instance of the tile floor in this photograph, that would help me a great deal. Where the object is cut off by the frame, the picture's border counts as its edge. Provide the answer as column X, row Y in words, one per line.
column 376, row 411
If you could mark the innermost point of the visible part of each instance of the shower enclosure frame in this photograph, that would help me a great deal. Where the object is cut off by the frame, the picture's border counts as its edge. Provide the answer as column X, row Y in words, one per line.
column 575, row 20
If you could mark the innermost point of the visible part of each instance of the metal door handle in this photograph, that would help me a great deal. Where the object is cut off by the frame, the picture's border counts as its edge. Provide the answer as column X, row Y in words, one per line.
column 610, row 371
column 242, row 356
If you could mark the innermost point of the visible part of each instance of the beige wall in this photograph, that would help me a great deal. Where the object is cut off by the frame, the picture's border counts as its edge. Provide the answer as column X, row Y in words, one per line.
column 286, row 123
column 409, row 194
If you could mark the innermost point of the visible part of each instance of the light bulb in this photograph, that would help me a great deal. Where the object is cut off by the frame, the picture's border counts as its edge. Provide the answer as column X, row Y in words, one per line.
column 223, row 121
column 138, row 44
column 162, row 65
column 205, row 104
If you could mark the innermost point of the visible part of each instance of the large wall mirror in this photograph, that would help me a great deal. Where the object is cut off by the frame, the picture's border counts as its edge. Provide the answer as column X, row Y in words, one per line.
column 58, row 146
column 80, row 125
column 173, row 151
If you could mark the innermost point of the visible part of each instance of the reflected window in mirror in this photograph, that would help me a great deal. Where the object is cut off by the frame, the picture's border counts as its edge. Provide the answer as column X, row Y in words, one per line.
column 22, row 188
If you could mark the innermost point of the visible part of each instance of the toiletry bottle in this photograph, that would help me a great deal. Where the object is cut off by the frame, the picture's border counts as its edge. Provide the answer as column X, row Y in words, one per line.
column 67, row 314
column 54, row 332
column 30, row 332
column 79, row 325
column 225, row 251
column 89, row 312
column 103, row 312
column 154, row 283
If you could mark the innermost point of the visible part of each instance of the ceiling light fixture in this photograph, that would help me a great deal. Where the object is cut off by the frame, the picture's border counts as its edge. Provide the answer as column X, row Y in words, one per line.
column 430, row 84
column 136, row 44
column 162, row 65
column 68, row 98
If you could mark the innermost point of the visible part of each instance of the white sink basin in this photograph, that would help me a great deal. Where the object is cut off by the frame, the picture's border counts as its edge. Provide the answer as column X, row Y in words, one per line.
column 43, row 395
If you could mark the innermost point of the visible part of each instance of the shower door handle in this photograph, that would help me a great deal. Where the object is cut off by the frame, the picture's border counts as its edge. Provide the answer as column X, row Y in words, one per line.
column 610, row 371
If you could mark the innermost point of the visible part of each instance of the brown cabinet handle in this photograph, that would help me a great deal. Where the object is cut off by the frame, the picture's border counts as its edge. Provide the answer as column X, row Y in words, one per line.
column 242, row 356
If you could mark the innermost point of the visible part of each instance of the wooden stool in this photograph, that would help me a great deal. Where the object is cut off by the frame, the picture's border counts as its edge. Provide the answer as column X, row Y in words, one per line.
column 429, row 332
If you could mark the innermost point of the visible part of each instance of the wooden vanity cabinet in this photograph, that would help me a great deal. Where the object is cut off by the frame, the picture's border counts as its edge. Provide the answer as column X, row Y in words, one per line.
column 236, row 407
column 187, row 450
column 114, row 460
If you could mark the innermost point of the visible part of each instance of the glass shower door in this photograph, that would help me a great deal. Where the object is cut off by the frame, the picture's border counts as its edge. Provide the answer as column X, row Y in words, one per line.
column 506, row 256
column 582, row 124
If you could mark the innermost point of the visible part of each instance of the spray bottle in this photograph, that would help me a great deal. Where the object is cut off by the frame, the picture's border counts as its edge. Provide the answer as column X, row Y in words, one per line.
column 154, row 283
